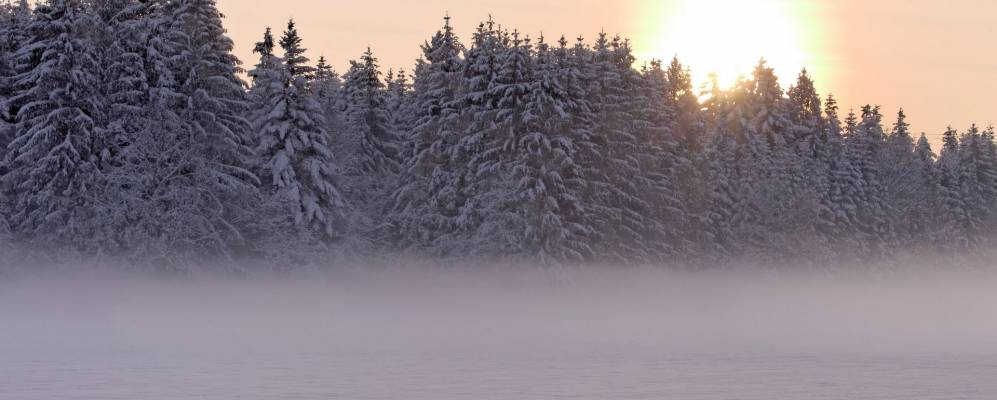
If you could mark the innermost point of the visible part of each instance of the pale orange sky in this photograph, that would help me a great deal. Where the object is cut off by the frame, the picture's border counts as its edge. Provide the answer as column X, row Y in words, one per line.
column 937, row 59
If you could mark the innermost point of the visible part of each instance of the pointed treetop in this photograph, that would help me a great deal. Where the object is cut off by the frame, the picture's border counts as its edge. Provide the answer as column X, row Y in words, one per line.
column 950, row 140
column 294, row 54
column 901, row 128
column 265, row 47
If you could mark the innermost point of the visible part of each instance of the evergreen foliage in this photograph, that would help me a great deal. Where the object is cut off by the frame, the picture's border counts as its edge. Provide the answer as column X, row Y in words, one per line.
column 126, row 130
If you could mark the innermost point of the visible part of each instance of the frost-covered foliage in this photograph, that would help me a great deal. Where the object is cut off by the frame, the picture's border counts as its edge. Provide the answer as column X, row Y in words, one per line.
column 54, row 159
column 295, row 165
column 126, row 130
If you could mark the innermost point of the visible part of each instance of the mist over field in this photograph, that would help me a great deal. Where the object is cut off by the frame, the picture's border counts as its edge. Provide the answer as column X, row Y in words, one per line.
column 501, row 333
column 513, row 216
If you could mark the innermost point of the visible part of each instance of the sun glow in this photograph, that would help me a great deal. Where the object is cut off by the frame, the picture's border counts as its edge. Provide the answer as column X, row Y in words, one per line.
column 728, row 37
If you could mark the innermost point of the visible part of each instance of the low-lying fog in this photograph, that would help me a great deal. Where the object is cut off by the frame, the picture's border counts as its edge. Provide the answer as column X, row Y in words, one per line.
column 501, row 335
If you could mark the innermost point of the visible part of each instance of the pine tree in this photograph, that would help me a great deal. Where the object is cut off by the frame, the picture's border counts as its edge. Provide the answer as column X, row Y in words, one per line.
column 573, row 75
column 269, row 79
column 326, row 84
column 661, row 161
column 859, row 177
column 297, row 166
column 874, row 221
column 976, row 181
column 124, row 29
column 492, row 166
column 903, row 187
column 184, row 184
column 753, row 174
column 808, row 171
column 797, row 177
column 954, row 228
column 295, row 62
column 367, row 116
column 429, row 200
column 57, row 152
column 368, row 148
column 621, row 223
column 987, row 190
column 548, row 180
column 13, row 29
column 838, row 203
column 692, row 170
column 924, row 176
column 804, row 105
column 397, row 102
column 268, row 69
column 326, row 88
column 470, row 128
column 725, row 193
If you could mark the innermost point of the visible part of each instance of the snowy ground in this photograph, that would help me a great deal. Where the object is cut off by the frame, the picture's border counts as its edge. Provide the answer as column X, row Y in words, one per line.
column 455, row 335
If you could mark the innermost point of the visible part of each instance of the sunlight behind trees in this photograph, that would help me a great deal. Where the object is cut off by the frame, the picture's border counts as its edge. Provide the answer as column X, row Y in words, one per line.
column 728, row 37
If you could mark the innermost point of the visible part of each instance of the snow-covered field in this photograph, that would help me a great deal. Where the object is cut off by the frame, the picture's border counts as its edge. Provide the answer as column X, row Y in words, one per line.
column 462, row 335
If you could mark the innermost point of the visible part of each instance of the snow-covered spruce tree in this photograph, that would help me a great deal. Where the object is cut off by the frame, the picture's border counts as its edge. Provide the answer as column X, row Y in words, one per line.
column 184, row 182
column 770, row 116
column 988, row 182
column 731, row 154
column 851, row 187
column 806, row 121
column 661, row 161
column 398, row 103
column 476, row 128
column 296, row 167
column 326, row 83
column 953, row 230
column 428, row 201
column 7, row 49
column 326, row 88
column 14, row 20
column 622, row 221
column 805, row 112
column 976, row 181
column 572, row 74
column 122, row 32
column 723, row 194
column 547, row 179
column 838, row 207
column 499, row 234
column 369, row 149
column 692, row 173
column 749, row 174
column 904, row 188
column 367, row 117
column 295, row 62
column 922, row 213
column 56, row 152
column 866, row 142
column 807, row 169
column 267, row 78
column 781, row 191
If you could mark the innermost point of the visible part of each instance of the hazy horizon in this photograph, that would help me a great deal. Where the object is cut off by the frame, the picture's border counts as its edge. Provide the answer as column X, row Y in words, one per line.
column 518, row 225
column 511, row 334
column 927, row 57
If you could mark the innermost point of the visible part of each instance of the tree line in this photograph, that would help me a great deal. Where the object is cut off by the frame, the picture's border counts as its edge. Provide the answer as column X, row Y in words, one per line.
column 128, row 131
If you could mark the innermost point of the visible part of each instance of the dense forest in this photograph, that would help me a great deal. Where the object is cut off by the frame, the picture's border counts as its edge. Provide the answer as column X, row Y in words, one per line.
column 130, row 131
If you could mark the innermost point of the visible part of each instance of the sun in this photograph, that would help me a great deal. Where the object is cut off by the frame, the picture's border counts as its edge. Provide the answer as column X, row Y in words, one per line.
column 729, row 37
